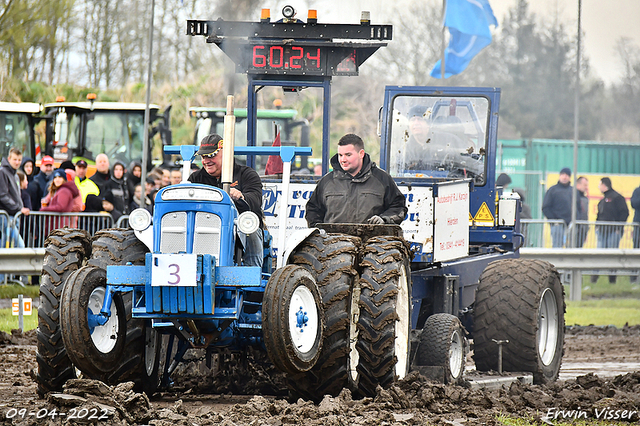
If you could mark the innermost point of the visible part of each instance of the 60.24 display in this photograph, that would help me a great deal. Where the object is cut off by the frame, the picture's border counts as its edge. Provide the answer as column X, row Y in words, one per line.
column 287, row 58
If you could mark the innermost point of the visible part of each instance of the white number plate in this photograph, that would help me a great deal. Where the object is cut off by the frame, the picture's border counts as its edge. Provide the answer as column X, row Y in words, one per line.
column 174, row 270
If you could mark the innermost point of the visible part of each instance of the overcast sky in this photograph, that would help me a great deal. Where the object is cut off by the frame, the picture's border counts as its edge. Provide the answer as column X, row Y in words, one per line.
column 603, row 22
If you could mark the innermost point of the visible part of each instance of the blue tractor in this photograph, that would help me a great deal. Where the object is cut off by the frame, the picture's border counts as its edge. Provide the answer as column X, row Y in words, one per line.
column 179, row 273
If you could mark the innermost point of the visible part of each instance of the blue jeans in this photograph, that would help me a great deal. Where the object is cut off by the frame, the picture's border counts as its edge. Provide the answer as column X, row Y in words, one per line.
column 609, row 237
column 557, row 235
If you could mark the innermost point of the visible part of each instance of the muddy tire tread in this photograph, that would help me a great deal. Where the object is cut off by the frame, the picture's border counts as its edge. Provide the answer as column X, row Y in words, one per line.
column 506, row 307
column 65, row 251
column 331, row 259
column 380, row 266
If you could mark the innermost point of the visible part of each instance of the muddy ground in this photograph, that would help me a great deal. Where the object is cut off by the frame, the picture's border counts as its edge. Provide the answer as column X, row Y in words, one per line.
column 614, row 354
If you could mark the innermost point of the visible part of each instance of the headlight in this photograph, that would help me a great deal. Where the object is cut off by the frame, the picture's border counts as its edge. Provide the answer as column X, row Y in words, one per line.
column 140, row 219
column 248, row 222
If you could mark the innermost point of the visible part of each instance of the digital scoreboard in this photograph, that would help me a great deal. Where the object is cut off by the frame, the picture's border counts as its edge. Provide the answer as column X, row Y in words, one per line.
column 296, row 49
column 300, row 60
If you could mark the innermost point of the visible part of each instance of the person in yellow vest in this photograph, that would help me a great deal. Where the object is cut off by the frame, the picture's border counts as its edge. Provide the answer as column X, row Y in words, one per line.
column 86, row 186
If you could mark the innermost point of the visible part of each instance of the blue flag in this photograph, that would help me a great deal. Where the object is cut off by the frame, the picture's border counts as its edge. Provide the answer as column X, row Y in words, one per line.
column 468, row 22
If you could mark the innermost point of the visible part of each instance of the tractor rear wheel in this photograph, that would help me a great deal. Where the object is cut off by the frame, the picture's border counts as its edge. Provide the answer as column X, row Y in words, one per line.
column 65, row 251
column 293, row 319
column 92, row 347
column 443, row 344
column 521, row 301
column 331, row 259
column 118, row 247
column 384, row 325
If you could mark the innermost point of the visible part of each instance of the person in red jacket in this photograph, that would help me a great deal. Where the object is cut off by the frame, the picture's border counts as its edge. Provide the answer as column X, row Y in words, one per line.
column 63, row 197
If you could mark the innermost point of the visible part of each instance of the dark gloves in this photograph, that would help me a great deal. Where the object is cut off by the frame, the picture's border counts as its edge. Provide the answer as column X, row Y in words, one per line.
column 375, row 220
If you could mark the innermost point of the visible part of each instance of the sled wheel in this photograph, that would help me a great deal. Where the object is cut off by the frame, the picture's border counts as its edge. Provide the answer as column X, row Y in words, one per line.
column 95, row 349
column 385, row 314
column 152, row 355
column 292, row 319
column 443, row 343
column 522, row 301
column 65, row 251
column 331, row 259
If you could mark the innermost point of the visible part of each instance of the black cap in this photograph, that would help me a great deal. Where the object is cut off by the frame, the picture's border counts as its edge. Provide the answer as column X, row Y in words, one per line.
column 210, row 144
column 81, row 163
column 566, row 171
column 418, row 111
column 60, row 173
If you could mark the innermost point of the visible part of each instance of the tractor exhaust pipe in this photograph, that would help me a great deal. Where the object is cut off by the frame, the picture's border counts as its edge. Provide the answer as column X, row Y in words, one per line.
column 227, row 152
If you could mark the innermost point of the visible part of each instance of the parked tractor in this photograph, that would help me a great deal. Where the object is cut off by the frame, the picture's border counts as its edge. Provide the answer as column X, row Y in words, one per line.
column 82, row 130
column 17, row 121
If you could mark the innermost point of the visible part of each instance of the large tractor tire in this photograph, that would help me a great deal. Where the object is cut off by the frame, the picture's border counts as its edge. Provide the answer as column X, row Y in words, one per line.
column 293, row 319
column 331, row 259
column 384, row 326
column 443, row 344
column 94, row 348
column 118, row 247
column 65, row 251
column 521, row 301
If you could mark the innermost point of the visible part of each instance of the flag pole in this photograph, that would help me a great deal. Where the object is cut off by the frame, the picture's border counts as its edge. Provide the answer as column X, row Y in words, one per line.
column 576, row 121
column 444, row 46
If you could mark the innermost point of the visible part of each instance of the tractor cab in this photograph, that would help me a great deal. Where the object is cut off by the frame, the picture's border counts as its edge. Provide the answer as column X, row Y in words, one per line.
column 82, row 130
column 17, row 121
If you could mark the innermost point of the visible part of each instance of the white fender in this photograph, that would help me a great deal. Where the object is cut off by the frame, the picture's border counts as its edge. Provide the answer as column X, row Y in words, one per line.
column 146, row 237
column 295, row 239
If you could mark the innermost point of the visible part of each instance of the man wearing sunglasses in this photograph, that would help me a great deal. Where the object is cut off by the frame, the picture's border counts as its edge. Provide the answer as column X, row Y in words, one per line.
column 246, row 190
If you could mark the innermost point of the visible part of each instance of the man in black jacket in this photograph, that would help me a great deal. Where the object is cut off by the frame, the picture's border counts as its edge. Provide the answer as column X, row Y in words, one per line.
column 557, row 205
column 102, row 176
column 356, row 191
column 246, row 190
column 612, row 208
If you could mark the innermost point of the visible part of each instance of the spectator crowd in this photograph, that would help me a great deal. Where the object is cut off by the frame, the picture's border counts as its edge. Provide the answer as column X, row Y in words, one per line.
column 113, row 188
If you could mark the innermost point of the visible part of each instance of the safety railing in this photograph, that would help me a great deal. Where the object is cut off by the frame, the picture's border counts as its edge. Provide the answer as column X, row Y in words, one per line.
column 36, row 226
column 5, row 221
column 555, row 234
column 123, row 221
column 538, row 233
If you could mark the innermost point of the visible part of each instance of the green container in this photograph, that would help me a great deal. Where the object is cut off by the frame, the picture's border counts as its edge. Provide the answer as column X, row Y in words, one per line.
column 529, row 161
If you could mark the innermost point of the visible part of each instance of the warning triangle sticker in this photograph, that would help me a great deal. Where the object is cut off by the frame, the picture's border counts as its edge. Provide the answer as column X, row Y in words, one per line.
column 483, row 214
column 470, row 217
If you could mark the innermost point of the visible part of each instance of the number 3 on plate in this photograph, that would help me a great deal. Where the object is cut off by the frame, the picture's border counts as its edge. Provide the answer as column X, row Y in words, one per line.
column 174, row 270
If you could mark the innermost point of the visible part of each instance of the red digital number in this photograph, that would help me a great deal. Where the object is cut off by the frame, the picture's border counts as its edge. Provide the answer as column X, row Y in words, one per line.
column 297, row 58
column 315, row 58
column 261, row 58
column 273, row 49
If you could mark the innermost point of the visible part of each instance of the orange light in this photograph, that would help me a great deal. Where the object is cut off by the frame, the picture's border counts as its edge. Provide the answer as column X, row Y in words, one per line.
column 313, row 14
column 277, row 103
column 265, row 15
column 91, row 97
column 60, row 99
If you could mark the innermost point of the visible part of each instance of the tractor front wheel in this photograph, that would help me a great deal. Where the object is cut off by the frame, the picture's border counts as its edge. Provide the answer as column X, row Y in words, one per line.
column 293, row 319
column 94, row 342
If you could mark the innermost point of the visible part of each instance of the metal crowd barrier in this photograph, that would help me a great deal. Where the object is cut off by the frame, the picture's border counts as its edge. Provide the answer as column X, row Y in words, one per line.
column 36, row 226
column 537, row 233
column 123, row 221
column 613, row 235
column 5, row 222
